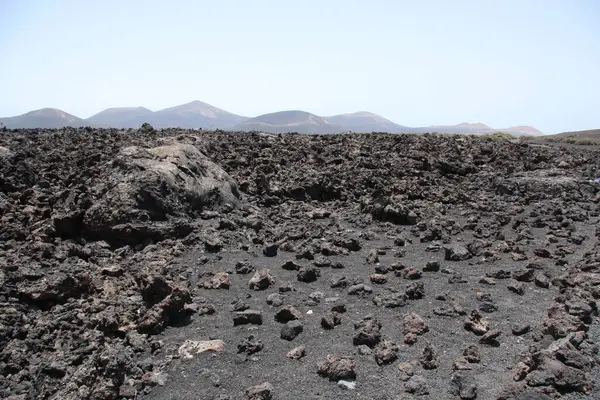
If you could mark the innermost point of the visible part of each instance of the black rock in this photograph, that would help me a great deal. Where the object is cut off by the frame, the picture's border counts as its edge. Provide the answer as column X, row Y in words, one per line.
column 456, row 252
column 286, row 314
column 417, row 385
column 243, row 267
column 432, row 266
column 308, row 274
column 415, row 290
column 291, row 266
column 523, row 275
column 471, row 353
column 290, row 330
column 330, row 321
column 264, row 391
column 322, row 262
column 367, row 332
column 270, row 250
column 464, row 387
column 250, row 345
column 247, row 317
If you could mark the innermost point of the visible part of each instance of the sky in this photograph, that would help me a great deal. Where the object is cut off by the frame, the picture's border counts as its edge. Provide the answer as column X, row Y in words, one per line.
column 417, row 63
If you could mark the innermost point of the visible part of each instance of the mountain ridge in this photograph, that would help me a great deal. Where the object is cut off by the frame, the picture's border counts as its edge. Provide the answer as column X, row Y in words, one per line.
column 197, row 114
column 51, row 118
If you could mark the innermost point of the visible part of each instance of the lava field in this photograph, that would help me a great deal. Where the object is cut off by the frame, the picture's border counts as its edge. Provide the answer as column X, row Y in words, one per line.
column 182, row 264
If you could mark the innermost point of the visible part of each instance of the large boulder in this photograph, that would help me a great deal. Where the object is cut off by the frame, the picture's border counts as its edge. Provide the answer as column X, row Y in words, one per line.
column 147, row 189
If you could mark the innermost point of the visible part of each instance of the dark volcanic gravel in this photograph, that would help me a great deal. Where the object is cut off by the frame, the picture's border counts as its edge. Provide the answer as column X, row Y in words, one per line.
column 176, row 264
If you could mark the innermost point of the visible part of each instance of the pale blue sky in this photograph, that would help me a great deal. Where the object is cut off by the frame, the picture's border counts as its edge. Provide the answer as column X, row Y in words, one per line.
column 417, row 62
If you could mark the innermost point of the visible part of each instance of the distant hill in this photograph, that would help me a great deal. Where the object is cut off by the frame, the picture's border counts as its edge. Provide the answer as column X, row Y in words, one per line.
column 364, row 121
column 50, row 118
column 478, row 129
column 195, row 115
column 588, row 137
column 589, row 134
column 192, row 115
column 121, row 117
column 464, row 127
column 522, row 130
column 289, row 121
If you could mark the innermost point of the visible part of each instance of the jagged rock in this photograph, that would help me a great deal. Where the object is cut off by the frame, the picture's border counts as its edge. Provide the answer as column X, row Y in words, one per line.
column 264, row 391
column 417, row 385
column 291, row 266
column 541, row 280
column 476, row 323
column 386, row 352
column 296, row 353
column 405, row 371
column 243, row 267
column 247, row 317
column 367, row 332
column 220, row 280
column 490, row 337
column 449, row 310
column 390, row 300
column 147, row 185
column 161, row 314
column 429, row 358
column 378, row 279
column 471, row 353
column 523, row 275
column 359, row 289
column 372, row 257
column 415, row 291
column 261, row 280
column 270, row 250
column 286, row 314
column 413, row 323
column 516, row 287
column 308, row 274
column 330, row 321
column 336, row 368
column 456, row 252
column 275, row 299
column 411, row 273
column 290, row 330
column 432, row 266
column 250, row 345
column 464, row 386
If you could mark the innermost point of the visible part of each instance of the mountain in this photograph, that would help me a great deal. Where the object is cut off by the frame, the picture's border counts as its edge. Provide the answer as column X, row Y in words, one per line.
column 289, row 121
column 477, row 129
column 364, row 121
column 589, row 134
column 121, row 117
column 465, row 127
column 195, row 115
column 522, row 131
column 49, row 118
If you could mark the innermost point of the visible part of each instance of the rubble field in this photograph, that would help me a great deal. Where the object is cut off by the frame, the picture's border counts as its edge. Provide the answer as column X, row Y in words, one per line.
column 183, row 264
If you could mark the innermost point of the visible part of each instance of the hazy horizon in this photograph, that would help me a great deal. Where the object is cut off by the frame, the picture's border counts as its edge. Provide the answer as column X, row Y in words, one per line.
column 421, row 63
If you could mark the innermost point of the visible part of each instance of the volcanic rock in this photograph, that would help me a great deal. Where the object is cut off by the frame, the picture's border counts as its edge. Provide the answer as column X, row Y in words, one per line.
column 336, row 368
column 261, row 280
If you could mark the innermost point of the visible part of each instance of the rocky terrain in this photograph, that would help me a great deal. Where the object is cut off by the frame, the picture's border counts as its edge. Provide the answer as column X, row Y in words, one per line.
column 176, row 264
